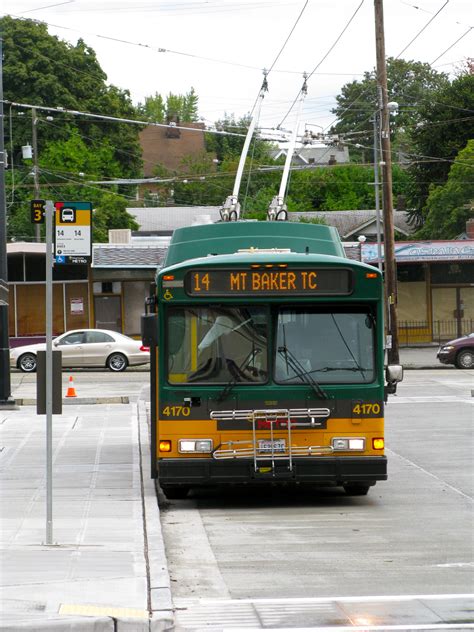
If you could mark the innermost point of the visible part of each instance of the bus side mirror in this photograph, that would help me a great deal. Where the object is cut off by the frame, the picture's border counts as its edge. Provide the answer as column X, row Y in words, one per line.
column 150, row 330
column 393, row 375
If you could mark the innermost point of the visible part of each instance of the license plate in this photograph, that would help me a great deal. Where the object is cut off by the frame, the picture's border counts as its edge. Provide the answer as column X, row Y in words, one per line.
column 266, row 445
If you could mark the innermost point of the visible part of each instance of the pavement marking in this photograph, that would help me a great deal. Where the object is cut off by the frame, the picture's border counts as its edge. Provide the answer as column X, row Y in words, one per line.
column 437, row 478
column 320, row 613
column 356, row 599
column 435, row 399
column 111, row 611
column 365, row 628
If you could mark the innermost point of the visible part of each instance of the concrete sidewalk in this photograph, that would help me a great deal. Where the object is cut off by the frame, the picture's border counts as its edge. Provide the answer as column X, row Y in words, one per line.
column 107, row 569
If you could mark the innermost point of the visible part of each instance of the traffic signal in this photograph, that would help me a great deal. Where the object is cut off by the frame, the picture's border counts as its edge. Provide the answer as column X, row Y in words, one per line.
column 37, row 211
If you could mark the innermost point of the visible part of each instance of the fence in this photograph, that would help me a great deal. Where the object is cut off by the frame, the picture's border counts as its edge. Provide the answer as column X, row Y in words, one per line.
column 416, row 332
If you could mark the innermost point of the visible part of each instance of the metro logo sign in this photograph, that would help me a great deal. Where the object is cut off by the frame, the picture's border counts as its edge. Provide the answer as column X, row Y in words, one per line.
column 73, row 232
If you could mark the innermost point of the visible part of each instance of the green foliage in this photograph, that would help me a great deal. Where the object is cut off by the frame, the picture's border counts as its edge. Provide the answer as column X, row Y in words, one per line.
column 448, row 207
column 410, row 84
column 313, row 220
column 182, row 107
column 111, row 213
column 230, row 147
column 446, row 125
column 41, row 69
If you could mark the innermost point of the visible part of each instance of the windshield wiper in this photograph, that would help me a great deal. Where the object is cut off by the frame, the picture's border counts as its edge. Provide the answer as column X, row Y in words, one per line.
column 358, row 367
column 237, row 372
column 325, row 369
column 299, row 370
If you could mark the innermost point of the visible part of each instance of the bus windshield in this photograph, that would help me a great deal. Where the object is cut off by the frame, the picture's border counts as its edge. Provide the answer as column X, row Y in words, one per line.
column 330, row 346
column 217, row 345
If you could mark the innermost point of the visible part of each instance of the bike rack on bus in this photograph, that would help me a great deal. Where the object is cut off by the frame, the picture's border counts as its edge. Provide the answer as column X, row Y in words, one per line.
column 274, row 420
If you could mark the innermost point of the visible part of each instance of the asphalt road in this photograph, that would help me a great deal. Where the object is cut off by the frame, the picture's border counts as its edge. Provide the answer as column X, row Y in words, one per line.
column 411, row 536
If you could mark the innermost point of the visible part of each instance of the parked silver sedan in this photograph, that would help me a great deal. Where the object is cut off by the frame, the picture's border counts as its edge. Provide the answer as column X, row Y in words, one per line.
column 86, row 348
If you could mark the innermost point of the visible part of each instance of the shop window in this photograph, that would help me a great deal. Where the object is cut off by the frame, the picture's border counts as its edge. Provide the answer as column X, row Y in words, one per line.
column 412, row 273
column 453, row 272
column 15, row 268
column 35, row 268
column 69, row 273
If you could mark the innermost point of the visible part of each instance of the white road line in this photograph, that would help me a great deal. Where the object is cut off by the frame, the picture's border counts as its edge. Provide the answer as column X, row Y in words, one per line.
column 435, row 399
column 440, row 480
column 365, row 628
column 356, row 599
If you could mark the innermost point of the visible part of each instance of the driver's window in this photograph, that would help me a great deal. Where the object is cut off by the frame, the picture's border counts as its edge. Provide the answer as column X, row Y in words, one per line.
column 76, row 338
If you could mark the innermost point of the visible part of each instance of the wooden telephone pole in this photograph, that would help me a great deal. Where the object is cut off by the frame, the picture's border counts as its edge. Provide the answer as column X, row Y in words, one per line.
column 386, row 165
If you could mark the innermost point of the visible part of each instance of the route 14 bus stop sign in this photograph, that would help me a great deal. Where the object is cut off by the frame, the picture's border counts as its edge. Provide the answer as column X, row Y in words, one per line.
column 73, row 232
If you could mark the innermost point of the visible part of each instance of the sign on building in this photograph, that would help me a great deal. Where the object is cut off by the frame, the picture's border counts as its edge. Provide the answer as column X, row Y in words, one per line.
column 73, row 232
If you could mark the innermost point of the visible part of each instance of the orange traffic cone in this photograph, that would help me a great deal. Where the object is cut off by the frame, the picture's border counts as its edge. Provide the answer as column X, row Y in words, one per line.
column 71, row 391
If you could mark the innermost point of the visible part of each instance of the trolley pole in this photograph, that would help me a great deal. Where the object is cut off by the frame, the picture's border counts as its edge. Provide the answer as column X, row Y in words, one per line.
column 386, row 164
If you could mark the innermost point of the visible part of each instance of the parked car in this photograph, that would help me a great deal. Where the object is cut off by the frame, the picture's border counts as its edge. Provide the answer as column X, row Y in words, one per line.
column 86, row 348
column 459, row 352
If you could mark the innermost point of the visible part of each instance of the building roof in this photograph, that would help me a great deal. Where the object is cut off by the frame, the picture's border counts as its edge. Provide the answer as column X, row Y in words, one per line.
column 26, row 247
column 315, row 155
column 168, row 218
column 350, row 223
column 127, row 256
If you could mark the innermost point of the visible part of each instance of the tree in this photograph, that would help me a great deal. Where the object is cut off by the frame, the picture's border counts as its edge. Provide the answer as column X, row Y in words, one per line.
column 110, row 213
column 226, row 147
column 449, row 206
column 43, row 70
column 177, row 106
column 67, row 170
column 410, row 84
column 445, row 126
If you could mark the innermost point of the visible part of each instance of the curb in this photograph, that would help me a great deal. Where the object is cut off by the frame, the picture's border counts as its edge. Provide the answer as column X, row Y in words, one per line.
column 90, row 624
column 78, row 400
column 160, row 587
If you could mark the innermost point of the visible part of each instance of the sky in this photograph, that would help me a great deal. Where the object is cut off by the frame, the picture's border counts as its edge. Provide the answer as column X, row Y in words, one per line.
column 220, row 47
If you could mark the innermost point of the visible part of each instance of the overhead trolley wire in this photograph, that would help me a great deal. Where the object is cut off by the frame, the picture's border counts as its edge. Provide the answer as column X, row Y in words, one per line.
column 421, row 31
column 452, row 45
column 323, row 59
column 159, row 49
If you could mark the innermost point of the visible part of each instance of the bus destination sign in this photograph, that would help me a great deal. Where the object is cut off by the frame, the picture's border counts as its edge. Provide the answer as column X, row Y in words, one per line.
column 268, row 282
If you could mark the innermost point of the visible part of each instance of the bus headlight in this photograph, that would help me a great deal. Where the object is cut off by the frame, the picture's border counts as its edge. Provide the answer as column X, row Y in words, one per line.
column 344, row 444
column 195, row 445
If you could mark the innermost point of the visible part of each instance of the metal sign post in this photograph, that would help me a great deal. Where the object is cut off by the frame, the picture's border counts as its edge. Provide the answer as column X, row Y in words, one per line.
column 49, row 211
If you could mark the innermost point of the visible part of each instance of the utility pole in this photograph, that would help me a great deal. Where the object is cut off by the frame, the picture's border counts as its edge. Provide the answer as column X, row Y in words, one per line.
column 5, row 384
column 376, row 180
column 386, row 164
column 34, row 140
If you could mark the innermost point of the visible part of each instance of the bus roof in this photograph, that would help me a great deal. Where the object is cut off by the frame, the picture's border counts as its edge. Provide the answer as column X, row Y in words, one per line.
column 229, row 237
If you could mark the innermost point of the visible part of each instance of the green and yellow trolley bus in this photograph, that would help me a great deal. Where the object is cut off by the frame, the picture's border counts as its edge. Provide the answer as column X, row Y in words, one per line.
column 268, row 362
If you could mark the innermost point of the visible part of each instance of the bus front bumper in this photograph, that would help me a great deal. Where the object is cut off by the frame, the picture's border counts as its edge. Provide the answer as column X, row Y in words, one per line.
column 317, row 470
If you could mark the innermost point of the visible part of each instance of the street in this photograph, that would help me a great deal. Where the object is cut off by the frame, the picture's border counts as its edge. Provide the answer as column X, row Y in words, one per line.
column 403, row 555
column 412, row 535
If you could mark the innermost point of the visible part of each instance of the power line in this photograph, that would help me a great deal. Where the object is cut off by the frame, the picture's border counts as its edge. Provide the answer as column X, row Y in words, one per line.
column 421, row 31
column 452, row 45
column 324, row 57
column 289, row 35
column 119, row 119
column 160, row 49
